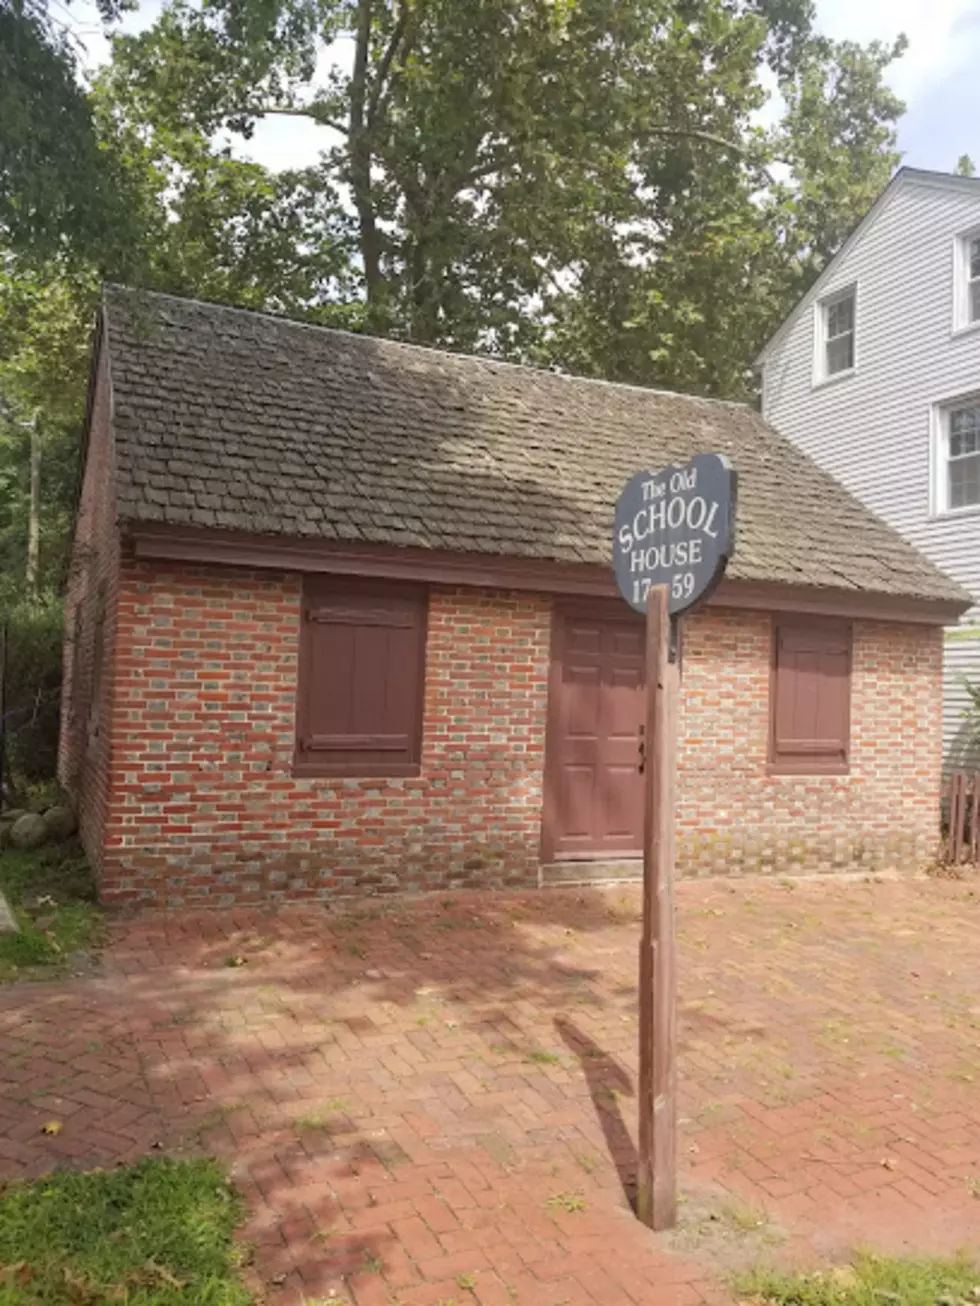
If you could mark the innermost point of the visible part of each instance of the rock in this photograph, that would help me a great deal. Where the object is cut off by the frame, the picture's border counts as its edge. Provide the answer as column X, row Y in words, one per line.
column 12, row 813
column 60, row 823
column 28, row 831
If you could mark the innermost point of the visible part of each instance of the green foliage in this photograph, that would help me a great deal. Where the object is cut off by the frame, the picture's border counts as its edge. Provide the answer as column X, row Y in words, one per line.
column 58, row 188
column 46, row 322
column 580, row 184
column 159, row 1233
column 576, row 183
column 53, row 895
column 33, row 687
column 870, row 1281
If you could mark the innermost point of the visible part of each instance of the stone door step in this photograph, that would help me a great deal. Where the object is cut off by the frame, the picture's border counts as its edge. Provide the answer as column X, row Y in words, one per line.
column 621, row 871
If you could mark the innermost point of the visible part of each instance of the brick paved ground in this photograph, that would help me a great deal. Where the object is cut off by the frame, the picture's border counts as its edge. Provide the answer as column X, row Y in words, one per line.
column 431, row 1102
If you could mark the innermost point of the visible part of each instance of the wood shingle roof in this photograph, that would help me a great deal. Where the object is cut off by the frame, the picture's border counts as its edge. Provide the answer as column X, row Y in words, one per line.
column 235, row 420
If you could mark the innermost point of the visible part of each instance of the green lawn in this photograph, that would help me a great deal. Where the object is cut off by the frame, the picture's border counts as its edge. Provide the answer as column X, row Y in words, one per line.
column 53, row 896
column 156, row 1234
column 870, row 1281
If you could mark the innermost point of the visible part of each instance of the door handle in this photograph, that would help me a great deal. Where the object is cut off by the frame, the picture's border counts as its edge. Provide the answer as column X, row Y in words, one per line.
column 642, row 749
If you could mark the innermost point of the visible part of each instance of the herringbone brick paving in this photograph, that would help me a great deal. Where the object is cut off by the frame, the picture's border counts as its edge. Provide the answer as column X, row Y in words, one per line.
column 432, row 1101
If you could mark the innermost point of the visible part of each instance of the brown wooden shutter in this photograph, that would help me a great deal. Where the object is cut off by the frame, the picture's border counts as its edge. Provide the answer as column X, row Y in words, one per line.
column 810, row 696
column 361, row 678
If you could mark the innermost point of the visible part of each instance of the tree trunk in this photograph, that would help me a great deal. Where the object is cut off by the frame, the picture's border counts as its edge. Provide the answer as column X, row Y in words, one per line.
column 34, row 514
column 359, row 153
column 422, row 323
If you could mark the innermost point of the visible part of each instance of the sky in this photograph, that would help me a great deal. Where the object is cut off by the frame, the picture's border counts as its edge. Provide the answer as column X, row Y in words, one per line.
column 937, row 77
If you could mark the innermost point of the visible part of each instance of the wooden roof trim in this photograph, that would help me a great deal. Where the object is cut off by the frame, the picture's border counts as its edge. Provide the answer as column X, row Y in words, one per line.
column 490, row 571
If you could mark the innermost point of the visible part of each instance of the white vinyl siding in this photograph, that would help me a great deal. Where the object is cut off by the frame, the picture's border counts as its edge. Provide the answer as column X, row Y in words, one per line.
column 877, row 433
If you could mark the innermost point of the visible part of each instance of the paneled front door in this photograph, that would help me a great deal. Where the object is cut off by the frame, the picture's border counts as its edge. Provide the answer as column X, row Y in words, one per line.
column 593, row 790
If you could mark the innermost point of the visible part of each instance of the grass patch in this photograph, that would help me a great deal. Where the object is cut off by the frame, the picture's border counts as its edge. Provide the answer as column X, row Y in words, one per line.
column 743, row 1218
column 870, row 1281
column 156, row 1234
column 52, row 894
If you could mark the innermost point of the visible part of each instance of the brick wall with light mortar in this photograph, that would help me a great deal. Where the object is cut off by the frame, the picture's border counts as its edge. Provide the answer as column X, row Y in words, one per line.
column 733, row 816
column 204, row 806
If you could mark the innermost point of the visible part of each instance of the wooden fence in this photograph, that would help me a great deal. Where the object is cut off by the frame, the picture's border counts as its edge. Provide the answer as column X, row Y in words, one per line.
column 962, row 806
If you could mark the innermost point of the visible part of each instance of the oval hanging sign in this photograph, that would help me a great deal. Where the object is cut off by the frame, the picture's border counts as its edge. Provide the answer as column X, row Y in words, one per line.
column 675, row 527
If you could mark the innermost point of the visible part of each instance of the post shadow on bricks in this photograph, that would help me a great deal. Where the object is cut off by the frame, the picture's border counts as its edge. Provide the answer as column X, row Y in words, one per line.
column 607, row 1082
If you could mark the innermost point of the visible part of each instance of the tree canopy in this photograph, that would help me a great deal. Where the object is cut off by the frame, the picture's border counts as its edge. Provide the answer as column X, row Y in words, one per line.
column 597, row 185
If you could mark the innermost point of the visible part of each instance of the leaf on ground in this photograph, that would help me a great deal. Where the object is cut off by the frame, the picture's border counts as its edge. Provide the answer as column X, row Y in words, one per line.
column 52, row 1127
column 19, row 1273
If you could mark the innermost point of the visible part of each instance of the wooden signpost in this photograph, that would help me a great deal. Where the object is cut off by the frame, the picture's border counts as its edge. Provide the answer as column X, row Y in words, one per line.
column 673, row 536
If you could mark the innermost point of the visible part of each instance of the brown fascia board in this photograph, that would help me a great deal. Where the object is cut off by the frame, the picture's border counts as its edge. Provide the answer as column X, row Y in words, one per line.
column 163, row 543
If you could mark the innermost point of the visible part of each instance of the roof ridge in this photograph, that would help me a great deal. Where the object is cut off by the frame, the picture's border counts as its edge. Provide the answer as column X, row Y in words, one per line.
column 934, row 173
column 487, row 360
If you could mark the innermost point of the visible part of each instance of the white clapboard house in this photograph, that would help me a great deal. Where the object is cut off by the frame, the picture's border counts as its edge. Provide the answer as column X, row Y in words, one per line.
column 876, row 375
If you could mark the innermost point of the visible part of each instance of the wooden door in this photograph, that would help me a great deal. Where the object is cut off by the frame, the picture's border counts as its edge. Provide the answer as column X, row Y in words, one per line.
column 593, row 789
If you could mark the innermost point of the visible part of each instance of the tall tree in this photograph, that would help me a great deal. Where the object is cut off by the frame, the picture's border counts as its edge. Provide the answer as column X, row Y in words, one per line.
column 58, row 189
column 476, row 142
column 45, row 341
column 199, row 222
column 578, row 181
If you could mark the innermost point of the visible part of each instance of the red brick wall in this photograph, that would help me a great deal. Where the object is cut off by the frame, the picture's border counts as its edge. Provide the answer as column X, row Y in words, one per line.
column 735, row 817
column 84, row 748
column 205, row 806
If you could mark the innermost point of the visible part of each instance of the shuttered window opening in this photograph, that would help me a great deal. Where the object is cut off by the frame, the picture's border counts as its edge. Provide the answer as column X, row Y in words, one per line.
column 361, row 678
column 810, row 697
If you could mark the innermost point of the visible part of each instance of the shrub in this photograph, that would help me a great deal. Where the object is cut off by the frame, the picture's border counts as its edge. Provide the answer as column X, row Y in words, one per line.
column 33, row 689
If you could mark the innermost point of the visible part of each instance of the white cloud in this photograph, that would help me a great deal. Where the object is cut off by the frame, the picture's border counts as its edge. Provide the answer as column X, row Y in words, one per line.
column 932, row 28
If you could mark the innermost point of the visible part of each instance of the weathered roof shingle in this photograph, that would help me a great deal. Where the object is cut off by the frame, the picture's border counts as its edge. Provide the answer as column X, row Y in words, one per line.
column 238, row 420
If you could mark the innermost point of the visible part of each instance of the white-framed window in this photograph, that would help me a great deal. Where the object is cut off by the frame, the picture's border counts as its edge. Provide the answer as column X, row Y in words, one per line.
column 835, row 334
column 966, row 299
column 957, row 473
column 972, row 270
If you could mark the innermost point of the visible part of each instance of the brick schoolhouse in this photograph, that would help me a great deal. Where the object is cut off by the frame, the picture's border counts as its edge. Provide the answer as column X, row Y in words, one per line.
column 341, row 619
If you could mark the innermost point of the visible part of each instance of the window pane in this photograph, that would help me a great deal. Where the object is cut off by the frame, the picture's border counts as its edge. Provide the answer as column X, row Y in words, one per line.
column 964, row 481
column 975, row 300
column 840, row 354
column 975, row 257
column 840, row 317
column 964, row 431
